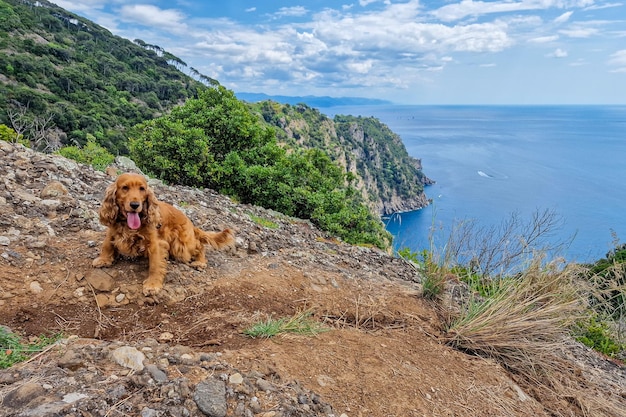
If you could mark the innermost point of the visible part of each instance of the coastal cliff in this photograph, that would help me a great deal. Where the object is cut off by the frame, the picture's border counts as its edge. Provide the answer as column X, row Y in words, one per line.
column 381, row 169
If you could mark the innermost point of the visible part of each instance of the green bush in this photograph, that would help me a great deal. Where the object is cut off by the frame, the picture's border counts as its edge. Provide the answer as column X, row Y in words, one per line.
column 215, row 141
column 9, row 135
column 90, row 154
column 608, row 277
column 596, row 335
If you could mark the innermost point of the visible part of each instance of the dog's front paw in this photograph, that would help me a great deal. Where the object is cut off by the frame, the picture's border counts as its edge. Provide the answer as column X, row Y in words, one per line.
column 152, row 287
column 101, row 262
column 200, row 266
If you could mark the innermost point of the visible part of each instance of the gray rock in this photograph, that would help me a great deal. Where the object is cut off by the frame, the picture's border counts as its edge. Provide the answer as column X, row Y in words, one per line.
column 126, row 164
column 149, row 412
column 129, row 357
column 210, row 397
column 264, row 385
column 35, row 287
column 71, row 360
column 48, row 409
column 23, row 395
column 50, row 205
column 157, row 374
column 71, row 398
column 25, row 196
column 4, row 241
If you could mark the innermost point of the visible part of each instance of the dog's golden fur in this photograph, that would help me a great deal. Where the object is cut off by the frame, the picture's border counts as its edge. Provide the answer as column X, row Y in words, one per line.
column 140, row 225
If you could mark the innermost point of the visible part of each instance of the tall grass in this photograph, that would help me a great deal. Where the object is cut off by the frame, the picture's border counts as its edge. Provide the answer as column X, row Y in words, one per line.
column 524, row 307
column 525, row 325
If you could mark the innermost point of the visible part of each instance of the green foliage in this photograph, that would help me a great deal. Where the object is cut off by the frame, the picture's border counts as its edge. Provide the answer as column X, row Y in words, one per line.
column 433, row 275
column 597, row 335
column 364, row 145
column 215, row 141
column 433, row 285
column 13, row 351
column 263, row 221
column 9, row 20
column 419, row 258
column 91, row 154
column 301, row 324
column 9, row 135
column 92, row 81
column 608, row 276
column 168, row 150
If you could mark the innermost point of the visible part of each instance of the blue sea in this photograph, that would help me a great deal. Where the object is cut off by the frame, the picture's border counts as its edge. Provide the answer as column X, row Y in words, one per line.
column 490, row 162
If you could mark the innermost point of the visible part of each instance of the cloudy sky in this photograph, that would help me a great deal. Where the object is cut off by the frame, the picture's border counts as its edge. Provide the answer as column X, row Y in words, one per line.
column 405, row 51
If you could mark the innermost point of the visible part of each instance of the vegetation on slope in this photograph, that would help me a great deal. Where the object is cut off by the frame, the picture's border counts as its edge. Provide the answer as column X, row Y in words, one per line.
column 73, row 85
column 215, row 141
column 524, row 312
column 75, row 78
column 389, row 179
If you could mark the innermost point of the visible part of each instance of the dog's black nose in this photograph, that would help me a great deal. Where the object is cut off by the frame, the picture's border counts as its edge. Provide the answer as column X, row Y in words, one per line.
column 134, row 205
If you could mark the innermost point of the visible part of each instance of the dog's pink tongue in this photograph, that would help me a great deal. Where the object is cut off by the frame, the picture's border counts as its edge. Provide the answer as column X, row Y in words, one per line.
column 133, row 220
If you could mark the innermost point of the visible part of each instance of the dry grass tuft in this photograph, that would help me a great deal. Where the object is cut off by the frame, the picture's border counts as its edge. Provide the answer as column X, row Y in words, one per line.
column 524, row 326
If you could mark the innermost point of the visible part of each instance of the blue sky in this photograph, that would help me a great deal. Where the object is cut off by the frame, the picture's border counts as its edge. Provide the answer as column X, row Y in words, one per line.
column 408, row 52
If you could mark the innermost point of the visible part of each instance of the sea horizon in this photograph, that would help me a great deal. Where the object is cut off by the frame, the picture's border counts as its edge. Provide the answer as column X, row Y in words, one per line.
column 493, row 161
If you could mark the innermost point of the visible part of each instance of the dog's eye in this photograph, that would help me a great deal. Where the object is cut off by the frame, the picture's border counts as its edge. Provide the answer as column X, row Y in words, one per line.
column 142, row 188
column 125, row 187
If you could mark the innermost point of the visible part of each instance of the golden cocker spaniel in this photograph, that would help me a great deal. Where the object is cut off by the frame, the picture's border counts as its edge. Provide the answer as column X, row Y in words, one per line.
column 140, row 225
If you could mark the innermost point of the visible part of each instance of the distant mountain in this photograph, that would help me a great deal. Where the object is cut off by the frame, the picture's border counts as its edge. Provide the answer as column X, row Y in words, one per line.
column 313, row 101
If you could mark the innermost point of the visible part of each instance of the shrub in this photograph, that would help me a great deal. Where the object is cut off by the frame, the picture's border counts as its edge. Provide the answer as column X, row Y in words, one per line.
column 90, row 154
column 597, row 335
column 9, row 135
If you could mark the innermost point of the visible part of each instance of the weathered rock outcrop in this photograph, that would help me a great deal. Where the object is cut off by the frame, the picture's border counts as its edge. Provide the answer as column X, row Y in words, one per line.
column 389, row 179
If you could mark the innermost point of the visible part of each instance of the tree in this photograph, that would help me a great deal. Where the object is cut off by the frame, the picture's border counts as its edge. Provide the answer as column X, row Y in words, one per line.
column 227, row 122
column 36, row 129
column 170, row 151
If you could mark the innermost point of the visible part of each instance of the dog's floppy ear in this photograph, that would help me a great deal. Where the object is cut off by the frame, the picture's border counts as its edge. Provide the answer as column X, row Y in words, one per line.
column 109, row 209
column 152, row 206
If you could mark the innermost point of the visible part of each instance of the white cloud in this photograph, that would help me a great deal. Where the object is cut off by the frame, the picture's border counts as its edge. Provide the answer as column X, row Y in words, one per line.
column 465, row 8
column 544, row 39
column 563, row 18
column 579, row 32
column 617, row 60
column 83, row 5
column 295, row 11
column 558, row 53
column 603, row 6
column 148, row 15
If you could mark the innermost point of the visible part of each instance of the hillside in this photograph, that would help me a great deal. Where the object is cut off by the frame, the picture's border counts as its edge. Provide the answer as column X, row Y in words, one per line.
column 67, row 80
column 383, row 353
column 81, row 79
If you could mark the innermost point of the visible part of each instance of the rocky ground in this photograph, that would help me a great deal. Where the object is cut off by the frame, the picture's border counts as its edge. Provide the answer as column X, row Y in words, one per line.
column 185, row 353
